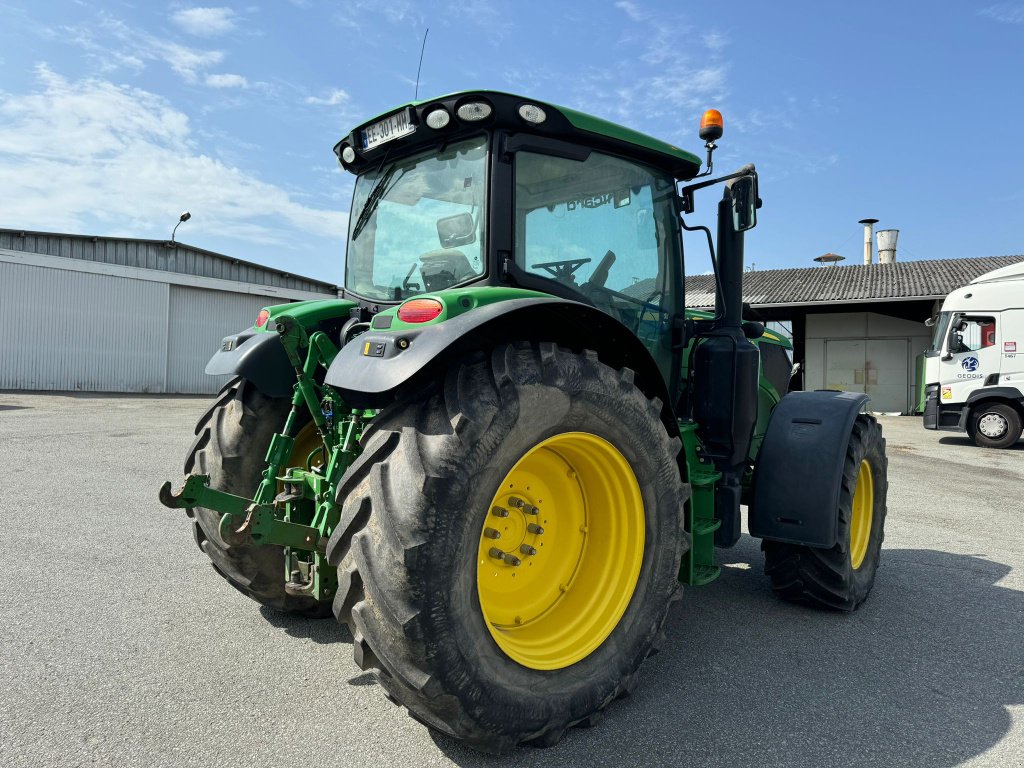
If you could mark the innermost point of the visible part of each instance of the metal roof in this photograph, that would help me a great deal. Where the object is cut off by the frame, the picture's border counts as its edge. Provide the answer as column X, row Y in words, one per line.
column 926, row 279
column 159, row 255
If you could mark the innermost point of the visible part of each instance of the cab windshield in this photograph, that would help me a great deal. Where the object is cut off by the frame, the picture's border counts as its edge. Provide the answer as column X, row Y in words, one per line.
column 941, row 327
column 417, row 224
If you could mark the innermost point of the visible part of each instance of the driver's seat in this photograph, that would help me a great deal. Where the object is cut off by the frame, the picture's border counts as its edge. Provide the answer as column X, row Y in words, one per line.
column 444, row 268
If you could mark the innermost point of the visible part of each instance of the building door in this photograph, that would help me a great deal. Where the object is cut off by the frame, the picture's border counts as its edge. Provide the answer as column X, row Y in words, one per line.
column 876, row 367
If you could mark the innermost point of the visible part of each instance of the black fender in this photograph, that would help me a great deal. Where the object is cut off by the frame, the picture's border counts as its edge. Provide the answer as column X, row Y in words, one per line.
column 374, row 367
column 799, row 469
column 258, row 357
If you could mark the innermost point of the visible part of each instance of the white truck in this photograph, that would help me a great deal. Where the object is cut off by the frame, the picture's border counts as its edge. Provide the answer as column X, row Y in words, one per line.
column 974, row 371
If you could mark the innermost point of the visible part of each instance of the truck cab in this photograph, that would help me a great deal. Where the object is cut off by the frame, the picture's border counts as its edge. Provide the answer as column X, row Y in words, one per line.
column 975, row 366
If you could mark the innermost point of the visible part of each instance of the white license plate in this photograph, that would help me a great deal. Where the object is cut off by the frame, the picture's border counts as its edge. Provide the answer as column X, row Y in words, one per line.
column 390, row 128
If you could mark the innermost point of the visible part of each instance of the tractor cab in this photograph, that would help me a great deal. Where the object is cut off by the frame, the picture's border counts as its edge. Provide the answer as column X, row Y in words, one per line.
column 485, row 188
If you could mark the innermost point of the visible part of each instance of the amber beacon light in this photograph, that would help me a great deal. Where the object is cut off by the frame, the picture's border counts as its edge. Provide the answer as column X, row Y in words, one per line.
column 711, row 125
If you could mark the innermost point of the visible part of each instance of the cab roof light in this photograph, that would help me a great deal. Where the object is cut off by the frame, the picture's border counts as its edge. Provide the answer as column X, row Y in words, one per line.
column 531, row 113
column 348, row 154
column 438, row 118
column 420, row 310
column 474, row 111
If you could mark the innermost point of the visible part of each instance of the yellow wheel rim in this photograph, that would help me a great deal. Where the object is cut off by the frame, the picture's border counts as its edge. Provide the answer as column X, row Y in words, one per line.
column 560, row 551
column 863, row 511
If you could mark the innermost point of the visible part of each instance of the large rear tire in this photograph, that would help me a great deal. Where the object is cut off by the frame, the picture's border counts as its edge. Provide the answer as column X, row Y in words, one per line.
column 840, row 578
column 478, row 635
column 231, row 446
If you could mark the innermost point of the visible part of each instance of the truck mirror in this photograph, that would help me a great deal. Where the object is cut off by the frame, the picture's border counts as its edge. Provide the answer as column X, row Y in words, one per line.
column 456, row 230
column 744, row 203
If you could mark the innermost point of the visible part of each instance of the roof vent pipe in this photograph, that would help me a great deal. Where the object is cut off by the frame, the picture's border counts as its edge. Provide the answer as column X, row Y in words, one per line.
column 887, row 245
column 869, row 239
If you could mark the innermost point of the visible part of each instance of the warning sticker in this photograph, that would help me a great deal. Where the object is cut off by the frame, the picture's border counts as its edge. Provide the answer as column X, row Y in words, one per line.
column 947, row 393
column 1009, row 346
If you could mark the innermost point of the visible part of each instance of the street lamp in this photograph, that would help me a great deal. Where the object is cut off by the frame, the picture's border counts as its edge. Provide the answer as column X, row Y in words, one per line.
column 183, row 218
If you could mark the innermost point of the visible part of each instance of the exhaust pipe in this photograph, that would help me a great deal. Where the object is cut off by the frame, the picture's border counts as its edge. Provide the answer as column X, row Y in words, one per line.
column 869, row 227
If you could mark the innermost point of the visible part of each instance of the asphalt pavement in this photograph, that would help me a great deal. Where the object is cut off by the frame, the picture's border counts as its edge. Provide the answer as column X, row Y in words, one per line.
column 119, row 645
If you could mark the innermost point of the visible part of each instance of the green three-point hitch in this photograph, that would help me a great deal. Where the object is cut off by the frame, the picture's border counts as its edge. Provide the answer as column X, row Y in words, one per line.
column 503, row 450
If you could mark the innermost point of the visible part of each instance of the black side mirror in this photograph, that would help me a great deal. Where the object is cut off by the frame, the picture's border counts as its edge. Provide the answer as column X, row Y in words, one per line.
column 456, row 230
column 744, row 203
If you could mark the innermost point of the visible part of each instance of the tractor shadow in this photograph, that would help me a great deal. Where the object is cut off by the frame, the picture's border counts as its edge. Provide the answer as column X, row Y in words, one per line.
column 326, row 631
column 968, row 443
column 920, row 675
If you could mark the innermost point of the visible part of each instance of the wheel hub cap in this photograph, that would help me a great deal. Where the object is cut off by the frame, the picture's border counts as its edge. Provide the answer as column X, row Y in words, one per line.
column 560, row 551
column 992, row 425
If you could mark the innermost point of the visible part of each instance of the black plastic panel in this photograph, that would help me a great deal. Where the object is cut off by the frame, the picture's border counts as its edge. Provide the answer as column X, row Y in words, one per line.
column 259, row 357
column 800, row 467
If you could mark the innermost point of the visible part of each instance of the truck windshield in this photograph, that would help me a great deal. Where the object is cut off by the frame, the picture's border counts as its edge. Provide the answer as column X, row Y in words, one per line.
column 941, row 328
column 417, row 224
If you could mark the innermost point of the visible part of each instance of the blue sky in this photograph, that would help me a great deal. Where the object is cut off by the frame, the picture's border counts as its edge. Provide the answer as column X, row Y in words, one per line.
column 115, row 117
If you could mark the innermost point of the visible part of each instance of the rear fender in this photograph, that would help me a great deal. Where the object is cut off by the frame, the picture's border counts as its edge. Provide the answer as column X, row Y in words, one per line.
column 799, row 470
column 376, row 366
column 257, row 353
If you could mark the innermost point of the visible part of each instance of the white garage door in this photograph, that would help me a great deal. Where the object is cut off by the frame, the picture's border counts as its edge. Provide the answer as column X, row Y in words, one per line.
column 877, row 367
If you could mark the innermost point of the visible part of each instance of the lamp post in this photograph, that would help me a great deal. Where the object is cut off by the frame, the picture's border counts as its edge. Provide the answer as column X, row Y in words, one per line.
column 181, row 219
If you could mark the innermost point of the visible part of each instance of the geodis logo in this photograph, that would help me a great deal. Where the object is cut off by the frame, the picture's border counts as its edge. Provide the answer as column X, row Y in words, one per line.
column 969, row 364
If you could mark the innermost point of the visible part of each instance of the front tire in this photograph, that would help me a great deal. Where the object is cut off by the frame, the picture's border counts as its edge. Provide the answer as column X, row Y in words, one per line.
column 994, row 425
column 840, row 578
column 413, row 545
column 230, row 446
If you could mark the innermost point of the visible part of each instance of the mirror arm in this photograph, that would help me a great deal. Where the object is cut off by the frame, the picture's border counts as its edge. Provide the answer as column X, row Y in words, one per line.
column 687, row 192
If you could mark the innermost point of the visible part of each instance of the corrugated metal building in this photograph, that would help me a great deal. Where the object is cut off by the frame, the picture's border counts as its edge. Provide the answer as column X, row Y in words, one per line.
column 103, row 314
column 859, row 327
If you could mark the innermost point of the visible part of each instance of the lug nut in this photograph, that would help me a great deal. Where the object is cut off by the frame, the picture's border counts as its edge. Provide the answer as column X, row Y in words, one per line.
column 529, row 509
column 526, row 549
column 512, row 560
column 499, row 512
column 496, row 553
column 534, row 528
column 516, row 502
column 490, row 533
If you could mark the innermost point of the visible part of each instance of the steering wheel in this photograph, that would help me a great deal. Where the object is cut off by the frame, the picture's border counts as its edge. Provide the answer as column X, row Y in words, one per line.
column 562, row 270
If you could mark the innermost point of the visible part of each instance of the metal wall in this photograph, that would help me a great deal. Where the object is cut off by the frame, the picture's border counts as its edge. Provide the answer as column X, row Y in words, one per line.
column 159, row 255
column 76, row 329
column 199, row 320
column 66, row 330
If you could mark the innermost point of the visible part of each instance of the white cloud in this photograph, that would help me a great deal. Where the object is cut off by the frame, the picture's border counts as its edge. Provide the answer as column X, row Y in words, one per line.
column 633, row 10
column 226, row 81
column 92, row 153
column 205, row 22
column 714, row 41
column 1007, row 13
column 332, row 99
column 141, row 46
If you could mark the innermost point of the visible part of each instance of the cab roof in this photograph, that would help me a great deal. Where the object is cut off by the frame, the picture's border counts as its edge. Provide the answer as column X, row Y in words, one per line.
column 561, row 123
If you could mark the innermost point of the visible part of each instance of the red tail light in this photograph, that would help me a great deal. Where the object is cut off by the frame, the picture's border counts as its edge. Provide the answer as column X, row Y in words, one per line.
column 262, row 317
column 420, row 310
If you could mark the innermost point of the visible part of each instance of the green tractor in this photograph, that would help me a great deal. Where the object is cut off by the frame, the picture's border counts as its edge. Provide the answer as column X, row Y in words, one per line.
column 499, row 455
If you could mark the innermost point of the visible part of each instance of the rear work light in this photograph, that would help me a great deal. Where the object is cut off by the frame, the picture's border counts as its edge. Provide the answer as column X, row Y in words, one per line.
column 420, row 310
column 262, row 317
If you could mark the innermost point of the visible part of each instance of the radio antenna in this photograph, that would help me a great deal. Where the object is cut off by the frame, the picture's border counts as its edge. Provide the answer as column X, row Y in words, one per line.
column 418, row 68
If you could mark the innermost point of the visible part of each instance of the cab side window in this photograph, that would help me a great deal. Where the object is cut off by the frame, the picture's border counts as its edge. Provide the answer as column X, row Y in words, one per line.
column 971, row 334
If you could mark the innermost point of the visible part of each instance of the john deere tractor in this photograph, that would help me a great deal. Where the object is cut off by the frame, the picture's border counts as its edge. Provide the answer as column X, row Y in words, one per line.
column 501, row 452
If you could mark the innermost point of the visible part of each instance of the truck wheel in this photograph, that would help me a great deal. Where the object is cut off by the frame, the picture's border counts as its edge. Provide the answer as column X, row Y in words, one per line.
column 841, row 577
column 230, row 446
column 509, row 544
column 994, row 425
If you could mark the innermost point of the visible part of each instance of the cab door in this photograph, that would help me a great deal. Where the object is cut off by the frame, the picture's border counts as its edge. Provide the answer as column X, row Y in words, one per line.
column 970, row 357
